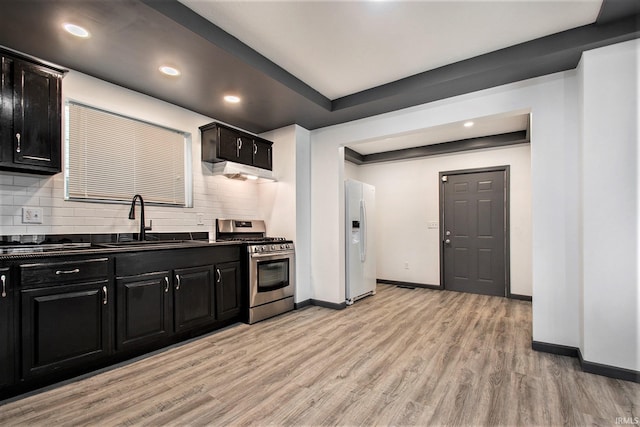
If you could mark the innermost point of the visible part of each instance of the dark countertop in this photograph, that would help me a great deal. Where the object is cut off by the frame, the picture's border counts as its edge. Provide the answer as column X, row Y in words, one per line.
column 55, row 246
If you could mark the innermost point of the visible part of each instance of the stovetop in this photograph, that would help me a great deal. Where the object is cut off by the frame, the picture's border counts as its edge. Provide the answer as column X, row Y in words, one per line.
column 251, row 232
column 251, row 240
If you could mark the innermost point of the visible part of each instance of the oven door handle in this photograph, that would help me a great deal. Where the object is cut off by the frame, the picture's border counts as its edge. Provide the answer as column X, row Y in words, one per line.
column 272, row 254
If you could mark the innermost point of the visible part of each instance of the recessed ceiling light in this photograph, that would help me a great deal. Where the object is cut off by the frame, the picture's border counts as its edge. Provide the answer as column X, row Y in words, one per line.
column 169, row 71
column 468, row 124
column 232, row 99
column 76, row 30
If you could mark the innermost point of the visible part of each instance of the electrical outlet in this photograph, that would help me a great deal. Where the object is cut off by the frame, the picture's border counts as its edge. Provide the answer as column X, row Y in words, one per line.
column 406, row 265
column 32, row 215
column 200, row 219
column 432, row 225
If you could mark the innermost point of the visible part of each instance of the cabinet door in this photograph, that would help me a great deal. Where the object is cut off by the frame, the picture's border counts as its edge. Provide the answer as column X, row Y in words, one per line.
column 6, row 329
column 234, row 146
column 6, row 112
column 144, row 313
column 36, row 117
column 64, row 326
column 228, row 290
column 262, row 154
column 194, row 298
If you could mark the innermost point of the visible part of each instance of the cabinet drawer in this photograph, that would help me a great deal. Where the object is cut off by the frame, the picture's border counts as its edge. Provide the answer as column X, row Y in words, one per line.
column 64, row 272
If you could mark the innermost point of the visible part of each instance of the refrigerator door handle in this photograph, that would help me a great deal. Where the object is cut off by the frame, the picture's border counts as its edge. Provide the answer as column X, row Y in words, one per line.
column 363, row 231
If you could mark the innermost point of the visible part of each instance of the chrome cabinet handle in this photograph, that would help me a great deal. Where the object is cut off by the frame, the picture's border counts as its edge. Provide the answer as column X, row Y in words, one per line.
column 238, row 147
column 75, row 270
column 18, row 138
column 166, row 284
column 218, row 275
column 4, row 285
column 255, row 148
column 178, row 284
column 104, row 299
column 269, row 153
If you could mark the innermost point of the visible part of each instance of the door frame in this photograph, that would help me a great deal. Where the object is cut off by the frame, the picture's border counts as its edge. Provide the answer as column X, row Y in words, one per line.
column 507, row 248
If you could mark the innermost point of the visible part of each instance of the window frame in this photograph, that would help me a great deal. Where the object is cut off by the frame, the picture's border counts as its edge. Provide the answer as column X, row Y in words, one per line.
column 187, row 166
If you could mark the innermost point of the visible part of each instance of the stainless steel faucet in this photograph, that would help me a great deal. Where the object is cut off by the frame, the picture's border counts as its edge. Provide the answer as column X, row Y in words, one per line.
column 132, row 215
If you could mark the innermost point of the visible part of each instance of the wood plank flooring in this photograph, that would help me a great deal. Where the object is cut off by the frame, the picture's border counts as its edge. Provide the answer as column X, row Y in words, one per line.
column 402, row 357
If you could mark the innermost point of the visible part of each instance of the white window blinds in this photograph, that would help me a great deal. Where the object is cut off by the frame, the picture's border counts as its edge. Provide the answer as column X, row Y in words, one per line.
column 110, row 157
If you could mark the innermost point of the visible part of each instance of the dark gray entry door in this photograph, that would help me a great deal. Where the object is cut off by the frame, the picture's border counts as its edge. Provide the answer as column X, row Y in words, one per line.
column 474, row 244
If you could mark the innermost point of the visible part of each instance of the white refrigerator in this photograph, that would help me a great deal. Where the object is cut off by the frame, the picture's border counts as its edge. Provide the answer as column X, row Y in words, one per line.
column 360, row 249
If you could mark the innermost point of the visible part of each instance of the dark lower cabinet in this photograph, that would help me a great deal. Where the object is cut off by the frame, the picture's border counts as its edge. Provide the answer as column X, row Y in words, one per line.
column 194, row 297
column 62, row 316
column 143, row 310
column 6, row 328
column 228, row 290
column 64, row 326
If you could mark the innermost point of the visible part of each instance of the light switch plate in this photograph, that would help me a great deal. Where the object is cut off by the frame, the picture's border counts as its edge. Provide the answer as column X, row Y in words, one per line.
column 200, row 219
column 32, row 215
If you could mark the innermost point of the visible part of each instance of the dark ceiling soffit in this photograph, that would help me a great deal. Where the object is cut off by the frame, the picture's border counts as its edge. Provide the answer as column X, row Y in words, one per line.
column 353, row 156
column 206, row 29
column 551, row 54
column 547, row 55
column 502, row 140
column 612, row 10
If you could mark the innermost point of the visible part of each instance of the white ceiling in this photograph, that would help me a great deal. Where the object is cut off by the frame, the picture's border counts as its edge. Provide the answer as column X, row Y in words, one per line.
column 482, row 126
column 343, row 47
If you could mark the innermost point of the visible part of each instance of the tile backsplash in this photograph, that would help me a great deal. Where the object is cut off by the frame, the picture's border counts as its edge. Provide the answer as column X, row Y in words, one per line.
column 213, row 197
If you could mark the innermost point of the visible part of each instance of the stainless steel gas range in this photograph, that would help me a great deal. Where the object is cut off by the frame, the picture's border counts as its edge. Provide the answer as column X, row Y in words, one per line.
column 270, row 267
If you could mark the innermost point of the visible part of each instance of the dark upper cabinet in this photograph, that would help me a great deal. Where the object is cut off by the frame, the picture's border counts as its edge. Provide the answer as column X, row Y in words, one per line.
column 6, row 328
column 220, row 143
column 65, row 312
column 30, row 117
column 234, row 146
column 228, row 289
column 262, row 153
column 144, row 310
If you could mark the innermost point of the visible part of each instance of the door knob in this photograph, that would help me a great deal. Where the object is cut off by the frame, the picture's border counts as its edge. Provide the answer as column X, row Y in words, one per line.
column 447, row 241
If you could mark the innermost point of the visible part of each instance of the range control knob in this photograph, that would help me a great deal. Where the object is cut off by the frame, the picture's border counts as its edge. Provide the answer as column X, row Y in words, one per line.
column 283, row 246
column 274, row 247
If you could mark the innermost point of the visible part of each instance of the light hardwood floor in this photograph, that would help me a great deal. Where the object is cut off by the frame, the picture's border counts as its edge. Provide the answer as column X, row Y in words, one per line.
column 401, row 357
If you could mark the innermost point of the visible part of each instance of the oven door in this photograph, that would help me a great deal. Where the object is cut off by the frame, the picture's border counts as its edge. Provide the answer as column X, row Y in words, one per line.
column 271, row 277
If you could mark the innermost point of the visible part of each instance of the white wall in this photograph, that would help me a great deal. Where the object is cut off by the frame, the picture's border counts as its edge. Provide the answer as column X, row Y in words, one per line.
column 407, row 199
column 555, row 311
column 610, row 205
column 285, row 204
column 584, row 197
column 277, row 200
column 214, row 196
column 351, row 171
